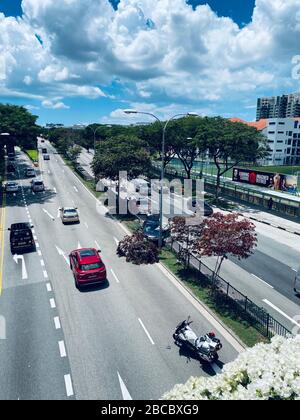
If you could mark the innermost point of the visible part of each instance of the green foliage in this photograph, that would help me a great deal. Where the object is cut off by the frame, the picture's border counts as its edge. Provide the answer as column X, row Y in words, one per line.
column 33, row 154
column 230, row 143
column 122, row 153
column 20, row 124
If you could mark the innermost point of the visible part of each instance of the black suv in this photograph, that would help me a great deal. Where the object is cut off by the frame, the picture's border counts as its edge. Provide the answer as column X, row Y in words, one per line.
column 21, row 237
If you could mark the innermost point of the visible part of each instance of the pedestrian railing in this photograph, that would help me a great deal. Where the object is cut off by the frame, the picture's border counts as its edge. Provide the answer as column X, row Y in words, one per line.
column 224, row 292
column 284, row 205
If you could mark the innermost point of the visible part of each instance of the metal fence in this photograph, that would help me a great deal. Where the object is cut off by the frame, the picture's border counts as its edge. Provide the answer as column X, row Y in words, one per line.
column 224, row 292
column 284, row 205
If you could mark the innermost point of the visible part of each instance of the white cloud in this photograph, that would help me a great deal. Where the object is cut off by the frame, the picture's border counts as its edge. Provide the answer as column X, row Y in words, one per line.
column 162, row 49
column 54, row 105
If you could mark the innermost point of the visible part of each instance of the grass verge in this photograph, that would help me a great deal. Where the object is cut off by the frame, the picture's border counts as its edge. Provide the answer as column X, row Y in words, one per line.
column 200, row 288
column 33, row 155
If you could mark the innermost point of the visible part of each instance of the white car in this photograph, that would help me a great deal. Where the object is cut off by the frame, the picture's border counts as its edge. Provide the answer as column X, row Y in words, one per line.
column 69, row 214
column 12, row 187
column 37, row 185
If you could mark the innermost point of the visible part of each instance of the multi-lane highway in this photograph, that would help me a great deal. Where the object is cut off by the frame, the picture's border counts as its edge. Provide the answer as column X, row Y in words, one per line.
column 267, row 277
column 112, row 342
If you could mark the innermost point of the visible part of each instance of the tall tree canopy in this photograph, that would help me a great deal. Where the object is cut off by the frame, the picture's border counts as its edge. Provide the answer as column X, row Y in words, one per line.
column 122, row 153
column 20, row 124
column 230, row 143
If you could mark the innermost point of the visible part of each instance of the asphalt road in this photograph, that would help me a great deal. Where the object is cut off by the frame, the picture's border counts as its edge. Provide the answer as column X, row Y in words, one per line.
column 113, row 342
column 267, row 276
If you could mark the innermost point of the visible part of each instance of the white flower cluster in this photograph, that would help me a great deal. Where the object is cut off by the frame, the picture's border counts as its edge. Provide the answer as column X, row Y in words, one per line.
column 264, row 372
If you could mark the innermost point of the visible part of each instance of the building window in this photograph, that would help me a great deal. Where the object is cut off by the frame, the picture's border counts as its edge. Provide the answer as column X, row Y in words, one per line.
column 280, row 132
column 272, row 123
column 281, row 123
column 296, row 124
column 290, row 133
column 271, row 132
column 279, row 150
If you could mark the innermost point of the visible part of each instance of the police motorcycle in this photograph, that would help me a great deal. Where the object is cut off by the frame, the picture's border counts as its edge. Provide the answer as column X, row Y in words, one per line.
column 206, row 347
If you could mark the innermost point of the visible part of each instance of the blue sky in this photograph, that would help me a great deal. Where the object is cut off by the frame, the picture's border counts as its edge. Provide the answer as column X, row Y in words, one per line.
column 99, row 60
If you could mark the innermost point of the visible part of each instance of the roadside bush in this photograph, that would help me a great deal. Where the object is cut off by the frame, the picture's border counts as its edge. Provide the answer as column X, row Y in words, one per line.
column 136, row 249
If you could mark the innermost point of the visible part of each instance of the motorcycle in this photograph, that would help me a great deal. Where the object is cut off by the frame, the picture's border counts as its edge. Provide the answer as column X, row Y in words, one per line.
column 206, row 347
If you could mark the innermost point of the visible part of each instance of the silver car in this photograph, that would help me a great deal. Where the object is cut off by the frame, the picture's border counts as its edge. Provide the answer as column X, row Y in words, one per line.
column 37, row 185
column 12, row 187
column 69, row 214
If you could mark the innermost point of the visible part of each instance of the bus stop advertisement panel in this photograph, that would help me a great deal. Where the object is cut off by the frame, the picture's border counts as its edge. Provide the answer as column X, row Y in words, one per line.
column 274, row 181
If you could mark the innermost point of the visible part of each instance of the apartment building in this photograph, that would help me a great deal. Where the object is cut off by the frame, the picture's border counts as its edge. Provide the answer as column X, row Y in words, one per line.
column 283, row 137
column 285, row 106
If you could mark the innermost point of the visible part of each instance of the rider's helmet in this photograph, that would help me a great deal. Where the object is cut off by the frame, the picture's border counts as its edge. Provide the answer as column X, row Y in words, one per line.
column 211, row 334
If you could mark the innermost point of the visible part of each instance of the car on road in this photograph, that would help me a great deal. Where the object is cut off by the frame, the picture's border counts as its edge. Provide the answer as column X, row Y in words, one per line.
column 37, row 185
column 193, row 205
column 11, row 168
column 11, row 157
column 21, row 237
column 46, row 156
column 12, row 187
column 30, row 172
column 151, row 229
column 87, row 267
column 69, row 215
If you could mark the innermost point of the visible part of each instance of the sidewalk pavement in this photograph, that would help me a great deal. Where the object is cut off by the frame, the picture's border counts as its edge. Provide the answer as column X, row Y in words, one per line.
column 267, row 218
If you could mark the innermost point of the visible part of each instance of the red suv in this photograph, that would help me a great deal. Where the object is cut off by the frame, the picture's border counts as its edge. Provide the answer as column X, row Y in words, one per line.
column 87, row 266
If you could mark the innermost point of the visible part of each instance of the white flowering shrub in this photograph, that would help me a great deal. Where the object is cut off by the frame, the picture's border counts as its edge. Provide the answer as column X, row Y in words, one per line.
column 264, row 372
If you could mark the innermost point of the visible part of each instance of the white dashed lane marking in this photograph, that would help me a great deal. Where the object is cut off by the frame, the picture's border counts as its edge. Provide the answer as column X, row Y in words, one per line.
column 57, row 323
column 49, row 288
column 62, row 349
column 69, row 386
column 52, row 303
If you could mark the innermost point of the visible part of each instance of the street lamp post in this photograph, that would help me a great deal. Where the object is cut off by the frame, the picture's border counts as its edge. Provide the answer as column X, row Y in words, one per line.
column 94, row 133
column 162, row 175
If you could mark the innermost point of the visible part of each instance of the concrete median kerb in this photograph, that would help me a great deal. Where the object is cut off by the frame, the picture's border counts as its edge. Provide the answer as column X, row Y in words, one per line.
column 231, row 336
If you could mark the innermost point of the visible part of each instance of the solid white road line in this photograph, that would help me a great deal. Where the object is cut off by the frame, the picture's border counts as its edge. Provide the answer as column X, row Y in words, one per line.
column 86, row 225
column 48, row 214
column 61, row 252
column 116, row 278
column 258, row 278
column 69, row 386
column 52, row 303
column 97, row 245
column 58, row 213
column 116, row 241
column 281, row 312
column 79, row 245
column 62, row 349
column 49, row 288
column 57, row 323
column 147, row 333
column 125, row 393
